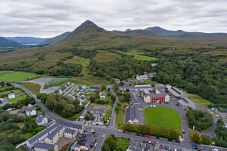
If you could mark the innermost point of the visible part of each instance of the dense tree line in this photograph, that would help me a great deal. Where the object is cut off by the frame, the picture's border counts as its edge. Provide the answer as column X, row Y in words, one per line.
column 66, row 70
column 170, row 134
column 221, row 134
column 62, row 105
column 15, row 130
column 199, row 120
column 122, row 68
column 195, row 73
column 199, row 139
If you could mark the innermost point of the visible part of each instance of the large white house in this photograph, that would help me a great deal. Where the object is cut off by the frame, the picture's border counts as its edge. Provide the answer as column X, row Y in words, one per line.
column 11, row 96
column 41, row 120
column 30, row 111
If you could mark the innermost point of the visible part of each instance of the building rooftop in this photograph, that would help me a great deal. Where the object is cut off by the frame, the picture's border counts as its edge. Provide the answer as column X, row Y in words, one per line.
column 73, row 125
column 133, row 113
column 42, row 133
column 44, row 146
column 55, row 131
column 69, row 131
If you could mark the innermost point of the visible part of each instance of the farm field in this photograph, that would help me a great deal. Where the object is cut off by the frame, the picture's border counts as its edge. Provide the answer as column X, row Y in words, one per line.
column 104, row 56
column 21, row 97
column 199, row 100
column 162, row 117
column 16, row 76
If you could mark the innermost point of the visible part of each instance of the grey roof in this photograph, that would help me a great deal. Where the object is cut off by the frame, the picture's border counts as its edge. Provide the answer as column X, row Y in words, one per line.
column 69, row 131
column 44, row 146
column 94, row 87
column 39, row 119
column 188, row 103
column 133, row 113
column 55, row 131
column 90, row 140
column 40, row 134
column 73, row 125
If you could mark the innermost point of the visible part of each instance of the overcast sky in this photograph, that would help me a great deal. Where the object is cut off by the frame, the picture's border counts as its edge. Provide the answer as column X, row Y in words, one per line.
column 46, row 18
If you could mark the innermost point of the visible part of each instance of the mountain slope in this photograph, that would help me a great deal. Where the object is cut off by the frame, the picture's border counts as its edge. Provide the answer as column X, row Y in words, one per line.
column 8, row 43
column 27, row 40
column 54, row 39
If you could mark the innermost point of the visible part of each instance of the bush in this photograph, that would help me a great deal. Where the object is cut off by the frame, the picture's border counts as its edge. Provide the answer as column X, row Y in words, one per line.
column 150, row 130
column 199, row 120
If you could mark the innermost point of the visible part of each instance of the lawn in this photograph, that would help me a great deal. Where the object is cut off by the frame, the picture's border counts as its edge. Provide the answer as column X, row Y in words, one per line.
column 199, row 100
column 120, row 143
column 16, row 76
column 21, row 97
column 16, row 91
column 163, row 117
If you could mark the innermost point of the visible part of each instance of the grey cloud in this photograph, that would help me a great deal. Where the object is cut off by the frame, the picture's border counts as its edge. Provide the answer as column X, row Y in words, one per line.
column 52, row 17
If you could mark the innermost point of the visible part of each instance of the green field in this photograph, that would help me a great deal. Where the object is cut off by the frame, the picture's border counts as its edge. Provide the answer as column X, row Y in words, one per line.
column 145, row 58
column 35, row 88
column 162, row 117
column 21, row 97
column 199, row 100
column 16, row 91
column 16, row 76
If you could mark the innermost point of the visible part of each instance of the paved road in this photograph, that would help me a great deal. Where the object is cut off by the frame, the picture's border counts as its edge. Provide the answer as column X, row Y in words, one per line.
column 104, row 131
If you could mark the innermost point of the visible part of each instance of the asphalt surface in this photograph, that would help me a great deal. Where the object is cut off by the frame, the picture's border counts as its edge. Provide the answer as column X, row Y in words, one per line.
column 104, row 131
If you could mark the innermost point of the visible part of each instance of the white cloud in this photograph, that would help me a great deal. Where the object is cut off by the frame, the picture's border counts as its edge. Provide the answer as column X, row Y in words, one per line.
column 53, row 17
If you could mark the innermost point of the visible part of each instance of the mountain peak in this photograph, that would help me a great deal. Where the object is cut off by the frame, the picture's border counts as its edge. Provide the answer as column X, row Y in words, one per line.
column 88, row 26
column 156, row 29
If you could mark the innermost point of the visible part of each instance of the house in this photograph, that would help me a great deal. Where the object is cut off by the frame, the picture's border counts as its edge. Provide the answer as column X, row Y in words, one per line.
column 30, row 111
column 41, row 120
column 102, row 95
column 142, row 77
column 11, row 96
column 42, row 146
column 54, row 136
column 134, row 114
column 187, row 103
column 85, row 143
column 73, row 126
column 3, row 102
column 70, row 133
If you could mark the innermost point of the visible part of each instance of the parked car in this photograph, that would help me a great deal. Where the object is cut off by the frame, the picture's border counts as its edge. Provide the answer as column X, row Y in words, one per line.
column 194, row 146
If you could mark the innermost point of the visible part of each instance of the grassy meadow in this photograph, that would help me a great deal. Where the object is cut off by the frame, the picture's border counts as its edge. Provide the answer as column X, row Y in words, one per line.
column 167, row 117
column 16, row 76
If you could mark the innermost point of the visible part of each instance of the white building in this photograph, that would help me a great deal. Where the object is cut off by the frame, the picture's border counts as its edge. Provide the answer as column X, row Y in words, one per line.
column 11, row 96
column 30, row 111
column 102, row 95
column 142, row 77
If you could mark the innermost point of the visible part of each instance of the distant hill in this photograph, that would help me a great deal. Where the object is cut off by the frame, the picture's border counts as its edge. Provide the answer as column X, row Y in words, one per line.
column 8, row 43
column 27, row 40
column 54, row 40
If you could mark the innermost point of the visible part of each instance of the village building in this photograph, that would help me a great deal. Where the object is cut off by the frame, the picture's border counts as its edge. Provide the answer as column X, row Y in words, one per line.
column 30, row 111
column 41, row 120
column 42, row 146
column 54, row 136
column 3, row 102
column 70, row 133
column 85, row 143
column 11, row 96
column 134, row 114
column 102, row 95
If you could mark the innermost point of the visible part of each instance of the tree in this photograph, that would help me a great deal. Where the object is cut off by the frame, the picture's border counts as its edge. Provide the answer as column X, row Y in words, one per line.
column 205, row 140
column 103, row 87
column 199, row 119
column 195, row 137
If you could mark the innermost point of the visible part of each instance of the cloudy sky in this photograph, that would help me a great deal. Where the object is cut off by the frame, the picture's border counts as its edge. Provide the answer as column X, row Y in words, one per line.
column 46, row 18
